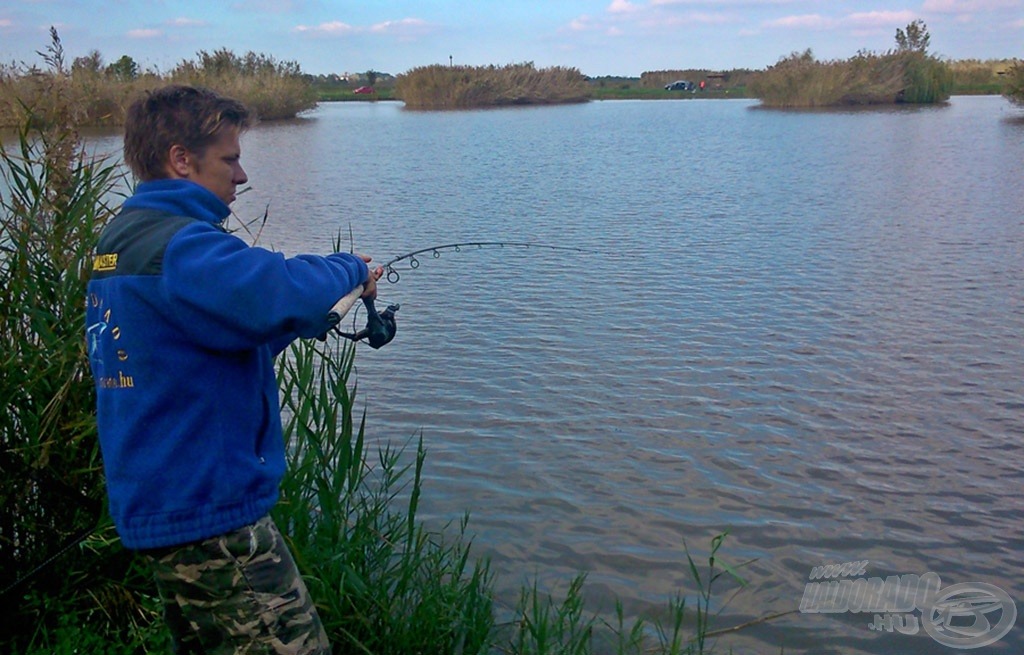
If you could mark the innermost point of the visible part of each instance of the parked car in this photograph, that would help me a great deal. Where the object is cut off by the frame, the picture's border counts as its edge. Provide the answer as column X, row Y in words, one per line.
column 680, row 85
column 364, row 89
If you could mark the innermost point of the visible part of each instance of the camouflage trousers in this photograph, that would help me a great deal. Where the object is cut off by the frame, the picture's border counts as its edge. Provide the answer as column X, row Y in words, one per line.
column 237, row 594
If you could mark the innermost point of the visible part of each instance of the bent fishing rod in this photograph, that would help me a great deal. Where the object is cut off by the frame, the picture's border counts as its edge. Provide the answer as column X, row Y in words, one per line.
column 381, row 327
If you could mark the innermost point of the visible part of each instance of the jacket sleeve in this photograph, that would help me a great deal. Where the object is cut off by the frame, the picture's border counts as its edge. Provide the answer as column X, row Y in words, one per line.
column 228, row 295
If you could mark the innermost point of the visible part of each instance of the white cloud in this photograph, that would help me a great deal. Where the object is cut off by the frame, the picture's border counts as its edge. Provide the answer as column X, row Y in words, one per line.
column 187, row 22
column 583, row 24
column 404, row 27
column 860, row 21
column 880, row 18
column 144, row 34
column 622, row 7
column 804, row 21
column 331, row 28
column 968, row 6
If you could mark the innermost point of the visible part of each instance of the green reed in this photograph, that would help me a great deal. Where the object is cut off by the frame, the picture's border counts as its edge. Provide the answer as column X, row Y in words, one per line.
column 53, row 200
column 382, row 582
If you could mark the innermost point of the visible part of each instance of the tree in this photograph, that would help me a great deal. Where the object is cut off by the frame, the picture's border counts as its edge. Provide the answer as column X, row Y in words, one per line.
column 915, row 39
column 91, row 63
column 124, row 69
column 371, row 77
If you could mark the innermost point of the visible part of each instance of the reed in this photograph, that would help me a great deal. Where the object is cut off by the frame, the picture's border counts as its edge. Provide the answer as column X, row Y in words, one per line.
column 93, row 95
column 800, row 80
column 461, row 87
column 53, row 200
column 272, row 89
column 1014, row 89
column 382, row 582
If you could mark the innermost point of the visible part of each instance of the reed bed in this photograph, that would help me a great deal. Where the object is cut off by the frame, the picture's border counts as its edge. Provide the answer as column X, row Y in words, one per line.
column 1014, row 89
column 800, row 80
column 92, row 94
column 460, row 87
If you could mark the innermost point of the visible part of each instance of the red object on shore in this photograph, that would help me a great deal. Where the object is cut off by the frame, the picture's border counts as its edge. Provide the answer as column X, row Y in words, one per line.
column 364, row 89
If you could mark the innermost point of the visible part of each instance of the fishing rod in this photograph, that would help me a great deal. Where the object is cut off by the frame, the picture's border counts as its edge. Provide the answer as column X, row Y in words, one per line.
column 393, row 276
column 381, row 326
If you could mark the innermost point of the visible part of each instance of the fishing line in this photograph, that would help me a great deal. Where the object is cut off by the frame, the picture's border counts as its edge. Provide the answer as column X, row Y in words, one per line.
column 381, row 327
column 392, row 275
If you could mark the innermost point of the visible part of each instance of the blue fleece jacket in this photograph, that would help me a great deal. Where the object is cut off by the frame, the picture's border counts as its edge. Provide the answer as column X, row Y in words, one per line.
column 183, row 322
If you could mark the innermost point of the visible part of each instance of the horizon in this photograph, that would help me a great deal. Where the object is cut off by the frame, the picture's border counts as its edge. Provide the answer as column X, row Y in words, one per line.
column 600, row 38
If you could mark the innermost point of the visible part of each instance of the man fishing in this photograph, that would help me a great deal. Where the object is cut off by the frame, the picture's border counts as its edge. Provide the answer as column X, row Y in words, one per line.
column 183, row 323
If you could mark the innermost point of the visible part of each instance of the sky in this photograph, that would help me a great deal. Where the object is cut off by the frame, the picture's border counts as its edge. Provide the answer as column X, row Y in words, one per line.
column 598, row 37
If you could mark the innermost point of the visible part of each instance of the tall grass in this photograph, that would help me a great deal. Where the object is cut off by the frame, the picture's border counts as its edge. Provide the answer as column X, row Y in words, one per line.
column 977, row 76
column 1014, row 89
column 272, row 89
column 800, row 80
column 382, row 582
column 92, row 95
column 53, row 200
column 459, row 87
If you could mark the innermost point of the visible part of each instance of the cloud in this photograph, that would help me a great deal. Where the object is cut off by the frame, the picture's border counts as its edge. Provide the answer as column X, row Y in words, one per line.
column 967, row 6
column 6, row 22
column 332, row 28
column 880, row 18
column 583, row 24
column 622, row 7
column 186, row 22
column 144, row 34
column 867, row 20
column 805, row 21
column 404, row 27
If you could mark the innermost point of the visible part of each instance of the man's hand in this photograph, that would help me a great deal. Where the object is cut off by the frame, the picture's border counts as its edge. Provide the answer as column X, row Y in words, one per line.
column 370, row 286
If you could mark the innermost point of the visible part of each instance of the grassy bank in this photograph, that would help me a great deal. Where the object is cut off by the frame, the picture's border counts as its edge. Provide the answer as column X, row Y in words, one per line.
column 458, row 87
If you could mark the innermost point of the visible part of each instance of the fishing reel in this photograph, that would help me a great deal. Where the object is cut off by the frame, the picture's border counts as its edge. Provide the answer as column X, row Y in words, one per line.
column 380, row 326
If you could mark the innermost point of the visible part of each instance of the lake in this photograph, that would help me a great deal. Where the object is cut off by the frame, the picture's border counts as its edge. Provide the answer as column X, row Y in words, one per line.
column 804, row 328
